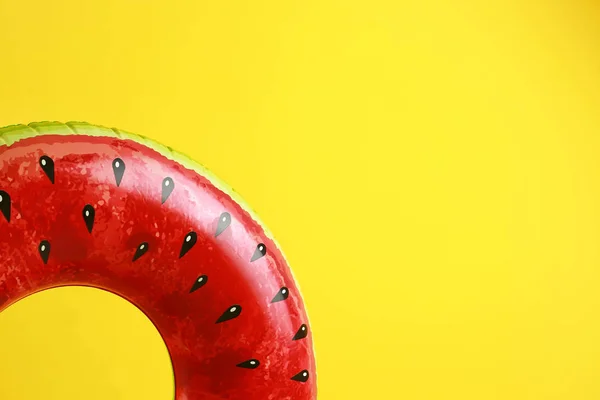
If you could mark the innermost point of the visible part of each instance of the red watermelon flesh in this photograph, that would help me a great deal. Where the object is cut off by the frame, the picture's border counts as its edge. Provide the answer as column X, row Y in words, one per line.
column 84, row 205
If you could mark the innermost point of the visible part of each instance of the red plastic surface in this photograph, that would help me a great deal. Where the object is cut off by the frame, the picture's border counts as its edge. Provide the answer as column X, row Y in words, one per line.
column 211, row 360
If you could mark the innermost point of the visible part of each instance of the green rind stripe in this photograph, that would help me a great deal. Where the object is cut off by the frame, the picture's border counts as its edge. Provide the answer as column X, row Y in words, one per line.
column 12, row 134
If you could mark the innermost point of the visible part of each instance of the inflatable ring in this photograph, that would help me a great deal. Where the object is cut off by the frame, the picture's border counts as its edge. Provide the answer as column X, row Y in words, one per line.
column 90, row 206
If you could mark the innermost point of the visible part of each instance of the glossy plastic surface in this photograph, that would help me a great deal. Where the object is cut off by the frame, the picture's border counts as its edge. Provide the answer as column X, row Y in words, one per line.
column 117, row 215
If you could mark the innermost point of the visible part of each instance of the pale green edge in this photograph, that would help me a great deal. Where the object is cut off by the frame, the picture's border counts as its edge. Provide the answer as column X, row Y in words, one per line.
column 13, row 133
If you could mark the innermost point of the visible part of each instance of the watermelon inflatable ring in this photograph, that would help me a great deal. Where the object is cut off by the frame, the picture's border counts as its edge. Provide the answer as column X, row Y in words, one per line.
column 90, row 206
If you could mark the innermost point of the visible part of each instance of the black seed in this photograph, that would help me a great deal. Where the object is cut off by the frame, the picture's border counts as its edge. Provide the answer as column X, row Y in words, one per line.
column 261, row 251
column 167, row 188
column 119, row 169
column 140, row 251
column 188, row 242
column 231, row 313
column 201, row 281
column 48, row 167
column 44, row 250
column 281, row 295
column 224, row 221
column 5, row 204
column 301, row 376
column 302, row 332
column 89, row 214
column 250, row 364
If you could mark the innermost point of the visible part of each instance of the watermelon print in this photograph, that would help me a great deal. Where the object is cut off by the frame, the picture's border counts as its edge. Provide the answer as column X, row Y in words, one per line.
column 91, row 206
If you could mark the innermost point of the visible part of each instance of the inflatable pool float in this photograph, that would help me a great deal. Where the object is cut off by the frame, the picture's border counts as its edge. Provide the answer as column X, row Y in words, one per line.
column 90, row 206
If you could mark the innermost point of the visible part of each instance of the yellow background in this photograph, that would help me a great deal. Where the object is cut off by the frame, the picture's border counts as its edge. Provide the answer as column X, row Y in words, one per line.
column 431, row 169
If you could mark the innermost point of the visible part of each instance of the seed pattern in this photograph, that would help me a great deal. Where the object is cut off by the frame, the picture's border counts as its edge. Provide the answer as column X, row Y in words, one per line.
column 89, row 214
column 189, row 241
column 281, row 295
column 250, row 364
column 302, row 332
column 140, row 251
column 167, row 188
column 44, row 250
column 260, row 252
column 301, row 376
column 47, row 165
column 198, row 283
column 5, row 205
column 224, row 222
column 119, row 170
column 231, row 313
